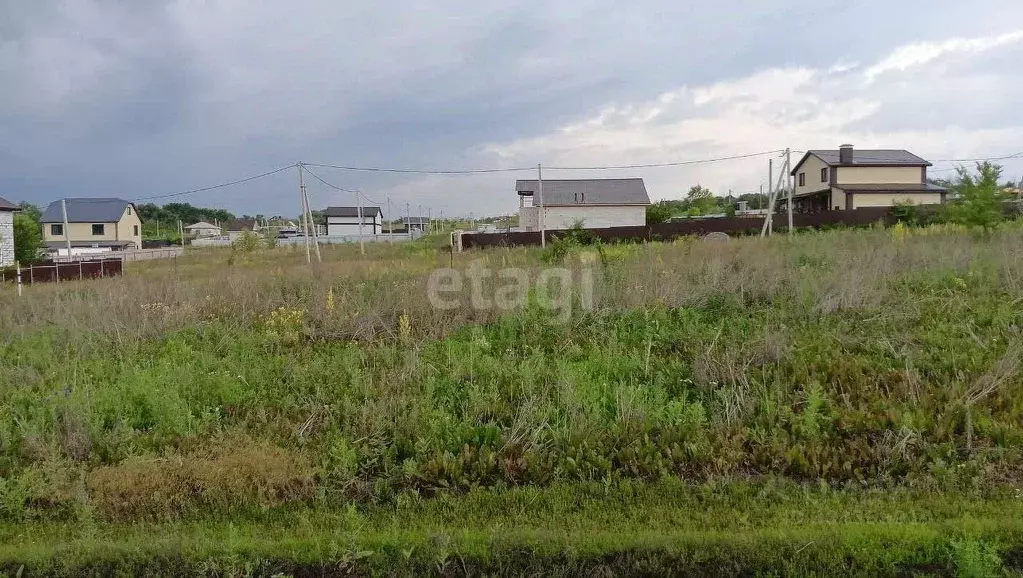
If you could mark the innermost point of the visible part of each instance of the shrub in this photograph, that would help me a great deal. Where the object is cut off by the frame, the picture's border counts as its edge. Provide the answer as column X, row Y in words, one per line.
column 247, row 242
column 979, row 202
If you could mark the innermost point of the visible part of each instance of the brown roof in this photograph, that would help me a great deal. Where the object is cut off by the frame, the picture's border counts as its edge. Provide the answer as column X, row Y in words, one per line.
column 6, row 205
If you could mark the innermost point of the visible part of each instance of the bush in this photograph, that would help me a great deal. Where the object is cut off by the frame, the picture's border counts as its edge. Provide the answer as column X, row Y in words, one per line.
column 979, row 202
column 28, row 239
column 247, row 242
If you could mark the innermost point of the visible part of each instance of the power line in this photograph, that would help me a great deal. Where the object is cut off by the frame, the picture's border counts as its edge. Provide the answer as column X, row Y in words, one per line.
column 671, row 164
column 417, row 171
column 335, row 187
column 220, row 186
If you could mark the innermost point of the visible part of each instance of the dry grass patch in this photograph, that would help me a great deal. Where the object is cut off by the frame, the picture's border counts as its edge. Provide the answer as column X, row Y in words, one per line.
column 234, row 475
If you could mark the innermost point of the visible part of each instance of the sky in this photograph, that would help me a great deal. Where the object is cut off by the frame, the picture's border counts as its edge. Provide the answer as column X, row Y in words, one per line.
column 119, row 98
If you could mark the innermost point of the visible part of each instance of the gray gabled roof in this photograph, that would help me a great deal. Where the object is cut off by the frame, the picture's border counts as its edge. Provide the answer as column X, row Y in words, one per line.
column 352, row 211
column 867, row 158
column 578, row 192
column 202, row 225
column 6, row 205
column 415, row 220
column 87, row 211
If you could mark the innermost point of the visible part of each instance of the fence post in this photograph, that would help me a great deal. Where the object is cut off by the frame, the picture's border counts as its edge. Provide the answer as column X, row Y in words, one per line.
column 56, row 268
column 81, row 272
column 101, row 273
column 17, row 266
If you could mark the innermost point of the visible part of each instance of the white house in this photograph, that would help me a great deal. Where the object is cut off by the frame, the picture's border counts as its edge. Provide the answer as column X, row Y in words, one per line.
column 596, row 203
column 203, row 229
column 344, row 221
column 7, row 210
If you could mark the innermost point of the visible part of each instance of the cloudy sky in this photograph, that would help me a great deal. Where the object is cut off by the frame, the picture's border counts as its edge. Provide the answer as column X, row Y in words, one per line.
column 144, row 98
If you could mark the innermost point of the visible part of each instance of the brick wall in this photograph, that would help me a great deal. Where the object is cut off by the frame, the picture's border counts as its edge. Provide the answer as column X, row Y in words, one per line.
column 6, row 238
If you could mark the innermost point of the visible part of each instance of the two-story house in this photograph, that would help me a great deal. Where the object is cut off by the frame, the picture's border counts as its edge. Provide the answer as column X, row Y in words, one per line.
column 93, row 226
column 847, row 179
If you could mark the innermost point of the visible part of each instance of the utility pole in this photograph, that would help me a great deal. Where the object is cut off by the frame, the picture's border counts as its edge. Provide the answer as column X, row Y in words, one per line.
column 408, row 220
column 181, row 233
column 429, row 218
column 301, row 198
column 390, row 227
column 540, row 209
column 768, row 222
column 67, row 233
column 312, row 225
column 788, row 180
column 362, row 240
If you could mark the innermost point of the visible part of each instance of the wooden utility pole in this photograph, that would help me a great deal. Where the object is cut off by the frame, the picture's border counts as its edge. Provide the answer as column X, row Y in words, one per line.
column 301, row 198
column 67, row 233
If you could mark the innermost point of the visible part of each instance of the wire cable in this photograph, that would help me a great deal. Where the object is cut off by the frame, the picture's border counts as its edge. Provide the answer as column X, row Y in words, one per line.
column 335, row 187
column 418, row 171
column 220, row 186
column 671, row 164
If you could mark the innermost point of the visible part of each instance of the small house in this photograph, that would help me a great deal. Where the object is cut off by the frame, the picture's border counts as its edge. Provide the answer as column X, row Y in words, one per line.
column 595, row 203
column 345, row 221
column 203, row 229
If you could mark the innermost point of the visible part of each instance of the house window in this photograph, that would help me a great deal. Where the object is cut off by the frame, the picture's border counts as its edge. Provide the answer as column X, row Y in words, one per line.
column 97, row 229
column 802, row 179
column 56, row 230
column 824, row 175
column 136, row 229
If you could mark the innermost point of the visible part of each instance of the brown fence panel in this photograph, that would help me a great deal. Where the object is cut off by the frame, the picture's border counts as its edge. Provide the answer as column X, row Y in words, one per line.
column 674, row 230
column 48, row 272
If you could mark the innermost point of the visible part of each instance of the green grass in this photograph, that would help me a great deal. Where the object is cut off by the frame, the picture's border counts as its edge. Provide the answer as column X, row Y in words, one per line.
column 666, row 527
column 853, row 397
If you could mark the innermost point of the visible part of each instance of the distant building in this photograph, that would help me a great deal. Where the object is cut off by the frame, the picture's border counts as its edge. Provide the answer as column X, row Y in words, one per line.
column 596, row 203
column 203, row 229
column 847, row 178
column 344, row 221
column 94, row 226
column 416, row 223
column 7, row 210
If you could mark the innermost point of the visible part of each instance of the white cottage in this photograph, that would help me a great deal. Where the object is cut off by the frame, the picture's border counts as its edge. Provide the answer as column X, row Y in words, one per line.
column 7, row 210
column 596, row 203
column 344, row 221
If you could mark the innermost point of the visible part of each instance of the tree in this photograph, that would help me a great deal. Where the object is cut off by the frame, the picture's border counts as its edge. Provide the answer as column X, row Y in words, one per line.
column 31, row 211
column 659, row 213
column 28, row 238
column 979, row 198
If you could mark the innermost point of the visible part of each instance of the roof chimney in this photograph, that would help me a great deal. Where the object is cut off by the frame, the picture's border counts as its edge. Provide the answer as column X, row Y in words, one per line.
column 845, row 154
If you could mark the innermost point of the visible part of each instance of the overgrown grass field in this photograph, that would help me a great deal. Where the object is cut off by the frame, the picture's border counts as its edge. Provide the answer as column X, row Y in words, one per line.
column 834, row 403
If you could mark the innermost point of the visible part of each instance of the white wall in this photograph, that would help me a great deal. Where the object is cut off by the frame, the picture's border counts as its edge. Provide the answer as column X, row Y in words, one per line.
column 340, row 226
column 6, row 238
column 594, row 217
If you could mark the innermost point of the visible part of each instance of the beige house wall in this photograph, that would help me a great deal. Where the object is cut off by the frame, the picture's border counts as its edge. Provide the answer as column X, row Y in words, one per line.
column 812, row 168
column 861, row 200
column 878, row 175
column 128, row 228
column 837, row 199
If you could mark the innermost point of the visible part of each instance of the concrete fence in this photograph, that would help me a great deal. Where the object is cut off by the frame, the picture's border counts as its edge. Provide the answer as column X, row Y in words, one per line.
column 324, row 240
column 128, row 256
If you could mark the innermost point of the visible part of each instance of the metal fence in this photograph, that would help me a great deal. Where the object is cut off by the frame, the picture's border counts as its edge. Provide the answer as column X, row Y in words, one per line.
column 54, row 272
column 696, row 226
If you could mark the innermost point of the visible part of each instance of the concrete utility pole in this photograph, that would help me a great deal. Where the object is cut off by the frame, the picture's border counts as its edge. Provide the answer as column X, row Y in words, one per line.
column 390, row 227
column 768, row 222
column 540, row 209
column 305, row 228
column 312, row 224
column 181, row 233
column 408, row 219
column 788, row 179
column 67, row 233
column 362, row 240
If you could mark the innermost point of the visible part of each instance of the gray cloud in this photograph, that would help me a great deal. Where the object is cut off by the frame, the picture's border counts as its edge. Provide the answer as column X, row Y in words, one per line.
column 143, row 98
